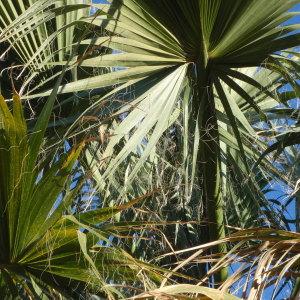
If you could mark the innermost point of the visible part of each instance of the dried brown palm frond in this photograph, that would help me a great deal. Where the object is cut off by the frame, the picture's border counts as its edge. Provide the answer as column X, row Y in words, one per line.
column 260, row 258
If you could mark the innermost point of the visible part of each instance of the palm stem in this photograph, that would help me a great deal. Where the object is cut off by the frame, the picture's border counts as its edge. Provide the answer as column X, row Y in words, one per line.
column 212, row 184
column 209, row 163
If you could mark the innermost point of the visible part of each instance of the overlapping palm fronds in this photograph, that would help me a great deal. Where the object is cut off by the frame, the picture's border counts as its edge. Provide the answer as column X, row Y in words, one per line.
column 212, row 89
column 260, row 259
column 44, row 251
column 176, row 95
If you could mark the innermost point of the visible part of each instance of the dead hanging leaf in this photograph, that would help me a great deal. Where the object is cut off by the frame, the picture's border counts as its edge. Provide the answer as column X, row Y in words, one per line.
column 103, row 134
column 263, row 254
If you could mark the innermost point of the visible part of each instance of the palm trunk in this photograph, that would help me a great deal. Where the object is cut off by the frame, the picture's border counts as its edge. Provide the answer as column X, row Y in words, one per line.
column 212, row 192
column 208, row 165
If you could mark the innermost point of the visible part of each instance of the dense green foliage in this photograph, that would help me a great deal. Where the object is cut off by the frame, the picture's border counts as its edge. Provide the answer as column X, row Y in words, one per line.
column 149, row 138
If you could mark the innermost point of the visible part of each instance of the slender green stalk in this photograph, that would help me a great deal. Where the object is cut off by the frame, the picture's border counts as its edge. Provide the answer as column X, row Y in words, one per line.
column 209, row 163
column 214, row 206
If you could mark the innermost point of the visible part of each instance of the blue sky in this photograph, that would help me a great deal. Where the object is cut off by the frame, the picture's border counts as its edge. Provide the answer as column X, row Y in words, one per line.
column 297, row 18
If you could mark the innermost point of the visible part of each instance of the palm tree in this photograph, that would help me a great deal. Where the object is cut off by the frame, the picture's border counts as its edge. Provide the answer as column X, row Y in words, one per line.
column 191, row 66
column 200, row 76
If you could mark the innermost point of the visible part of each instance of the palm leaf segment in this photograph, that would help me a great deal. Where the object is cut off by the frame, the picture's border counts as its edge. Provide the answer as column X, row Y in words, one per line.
column 26, row 27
